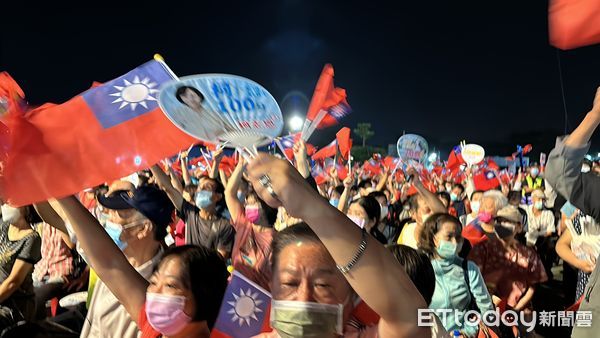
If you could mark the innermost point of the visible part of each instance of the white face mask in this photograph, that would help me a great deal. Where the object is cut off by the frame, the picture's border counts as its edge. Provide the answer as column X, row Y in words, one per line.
column 9, row 214
column 384, row 212
column 475, row 206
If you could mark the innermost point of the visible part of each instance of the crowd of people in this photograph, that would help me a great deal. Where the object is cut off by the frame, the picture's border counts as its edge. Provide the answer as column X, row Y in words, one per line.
column 155, row 257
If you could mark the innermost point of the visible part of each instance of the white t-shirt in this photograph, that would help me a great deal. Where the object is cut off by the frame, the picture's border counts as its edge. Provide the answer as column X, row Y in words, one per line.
column 106, row 317
column 538, row 225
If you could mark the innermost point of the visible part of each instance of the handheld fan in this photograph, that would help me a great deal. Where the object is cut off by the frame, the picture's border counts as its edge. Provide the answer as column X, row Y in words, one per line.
column 221, row 108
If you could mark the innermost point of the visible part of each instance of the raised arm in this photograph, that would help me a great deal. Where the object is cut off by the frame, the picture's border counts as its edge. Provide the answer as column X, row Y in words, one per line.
column 563, row 171
column 342, row 238
column 164, row 183
column 233, row 203
column 345, row 197
column 383, row 180
column 214, row 169
column 105, row 257
column 183, row 160
column 51, row 217
column 301, row 158
column 430, row 198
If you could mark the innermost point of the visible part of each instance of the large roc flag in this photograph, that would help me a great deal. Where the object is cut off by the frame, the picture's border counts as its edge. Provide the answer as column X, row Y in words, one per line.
column 105, row 133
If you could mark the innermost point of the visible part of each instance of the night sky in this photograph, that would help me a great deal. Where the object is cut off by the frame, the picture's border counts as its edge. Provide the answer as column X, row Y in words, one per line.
column 448, row 70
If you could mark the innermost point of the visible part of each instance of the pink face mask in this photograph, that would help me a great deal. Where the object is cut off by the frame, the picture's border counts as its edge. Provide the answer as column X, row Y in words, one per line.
column 252, row 213
column 165, row 313
column 485, row 216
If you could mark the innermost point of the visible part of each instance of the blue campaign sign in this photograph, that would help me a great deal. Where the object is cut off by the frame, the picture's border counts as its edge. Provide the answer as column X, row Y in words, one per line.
column 220, row 107
column 412, row 147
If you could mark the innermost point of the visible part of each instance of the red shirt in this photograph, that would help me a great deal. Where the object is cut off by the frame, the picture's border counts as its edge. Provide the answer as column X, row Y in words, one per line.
column 145, row 328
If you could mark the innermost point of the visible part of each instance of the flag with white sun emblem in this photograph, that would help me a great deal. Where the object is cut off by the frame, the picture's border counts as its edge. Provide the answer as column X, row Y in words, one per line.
column 245, row 310
column 128, row 96
column 107, row 132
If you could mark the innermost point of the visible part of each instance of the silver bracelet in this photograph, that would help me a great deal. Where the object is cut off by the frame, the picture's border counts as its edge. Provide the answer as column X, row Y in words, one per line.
column 357, row 256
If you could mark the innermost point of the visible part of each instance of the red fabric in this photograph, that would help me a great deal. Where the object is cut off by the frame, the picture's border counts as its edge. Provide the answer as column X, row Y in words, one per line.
column 325, row 96
column 454, row 160
column 145, row 328
column 485, row 181
column 328, row 151
column 344, row 142
column 528, row 147
column 474, row 234
column 57, row 150
column 427, row 184
column 574, row 23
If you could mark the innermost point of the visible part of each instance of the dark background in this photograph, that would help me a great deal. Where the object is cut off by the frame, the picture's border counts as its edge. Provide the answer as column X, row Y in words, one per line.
column 448, row 70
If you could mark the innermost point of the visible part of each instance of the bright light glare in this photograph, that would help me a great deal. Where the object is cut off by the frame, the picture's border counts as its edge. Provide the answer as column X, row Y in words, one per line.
column 295, row 123
column 432, row 157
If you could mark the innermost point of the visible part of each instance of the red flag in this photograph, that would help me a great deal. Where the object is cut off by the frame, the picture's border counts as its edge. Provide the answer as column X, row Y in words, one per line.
column 527, row 148
column 329, row 98
column 344, row 142
column 485, row 180
column 328, row 151
column 455, row 159
column 97, row 136
column 574, row 23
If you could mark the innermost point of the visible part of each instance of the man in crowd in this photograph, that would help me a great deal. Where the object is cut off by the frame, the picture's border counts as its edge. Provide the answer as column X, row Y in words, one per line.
column 137, row 223
column 532, row 182
column 203, row 225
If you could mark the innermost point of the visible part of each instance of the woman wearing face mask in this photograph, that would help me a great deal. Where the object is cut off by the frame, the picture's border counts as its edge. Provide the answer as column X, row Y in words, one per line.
column 510, row 269
column 441, row 241
column 365, row 213
column 20, row 247
column 475, row 204
column 253, row 225
column 184, row 294
column 315, row 273
column 384, row 225
column 482, row 228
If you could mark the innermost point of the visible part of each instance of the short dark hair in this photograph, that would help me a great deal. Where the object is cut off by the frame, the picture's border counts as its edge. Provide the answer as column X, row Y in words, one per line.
column 377, row 194
column 430, row 228
column 300, row 232
column 219, row 188
column 514, row 195
column 205, row 274
column 459, row 186
column 339, row 189
column 190, row 189
column 31, row 216
column 371, row 206
column 181, row 90
column 365, row 184
column 418, row 268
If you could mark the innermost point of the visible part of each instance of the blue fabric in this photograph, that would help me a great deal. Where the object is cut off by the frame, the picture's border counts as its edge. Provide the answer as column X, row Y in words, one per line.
column 451, row 293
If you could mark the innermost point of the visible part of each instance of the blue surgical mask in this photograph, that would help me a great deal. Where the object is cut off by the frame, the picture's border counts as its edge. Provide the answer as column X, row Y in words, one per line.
column 539, row 205
column 453, row 197
column 203, row 198
column 535, row 172
column 335, row 202
column 114, row 231
column 447, row 249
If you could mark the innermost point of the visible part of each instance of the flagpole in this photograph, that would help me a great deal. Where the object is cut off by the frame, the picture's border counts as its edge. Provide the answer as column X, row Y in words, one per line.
column 161, row 60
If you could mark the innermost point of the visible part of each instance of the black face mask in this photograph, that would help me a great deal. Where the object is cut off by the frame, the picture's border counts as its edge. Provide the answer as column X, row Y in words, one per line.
column 504, row 230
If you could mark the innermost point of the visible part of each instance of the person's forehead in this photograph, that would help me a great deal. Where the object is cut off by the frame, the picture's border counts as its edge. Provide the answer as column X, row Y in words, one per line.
column 206, row 183
column 170, row 267
column 356, row 208
column 305, row 257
